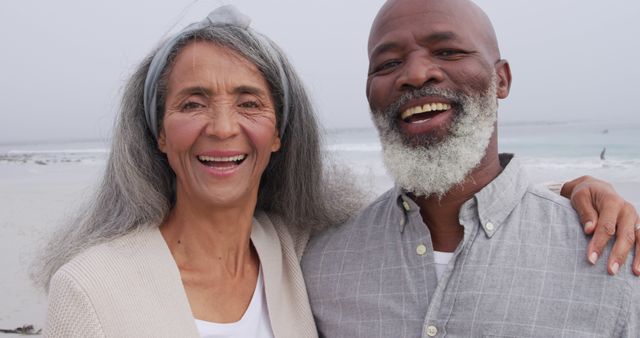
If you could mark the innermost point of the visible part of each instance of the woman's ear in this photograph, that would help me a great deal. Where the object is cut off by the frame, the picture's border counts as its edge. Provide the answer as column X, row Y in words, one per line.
column 275, row 146
column 162, row 141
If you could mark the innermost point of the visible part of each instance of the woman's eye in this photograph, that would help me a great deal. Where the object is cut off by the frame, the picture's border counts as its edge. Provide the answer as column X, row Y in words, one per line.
column 249, row 104
column 190, row 105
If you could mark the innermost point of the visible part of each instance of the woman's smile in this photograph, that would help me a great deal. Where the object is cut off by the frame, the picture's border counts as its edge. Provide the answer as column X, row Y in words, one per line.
column 219, row 164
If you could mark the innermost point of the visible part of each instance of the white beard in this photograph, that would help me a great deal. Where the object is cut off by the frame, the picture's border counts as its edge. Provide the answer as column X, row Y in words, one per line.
column 435, row 167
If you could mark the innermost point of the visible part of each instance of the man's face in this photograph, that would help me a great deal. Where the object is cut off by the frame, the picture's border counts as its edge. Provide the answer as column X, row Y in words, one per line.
column 434, row 80
column 439, row 44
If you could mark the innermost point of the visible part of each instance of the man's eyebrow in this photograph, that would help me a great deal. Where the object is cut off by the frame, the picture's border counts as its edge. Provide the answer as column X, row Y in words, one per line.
column 429, row 39
column 385, row 47
column 438, row 37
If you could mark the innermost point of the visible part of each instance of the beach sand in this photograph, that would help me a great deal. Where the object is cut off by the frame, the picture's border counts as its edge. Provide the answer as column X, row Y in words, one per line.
column 35, row 198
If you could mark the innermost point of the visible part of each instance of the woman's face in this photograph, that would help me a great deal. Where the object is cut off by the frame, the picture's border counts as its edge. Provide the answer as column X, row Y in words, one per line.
column 219, row 126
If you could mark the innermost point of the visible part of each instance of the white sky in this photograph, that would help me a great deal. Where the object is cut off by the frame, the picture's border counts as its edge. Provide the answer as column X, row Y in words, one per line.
column 63, row 63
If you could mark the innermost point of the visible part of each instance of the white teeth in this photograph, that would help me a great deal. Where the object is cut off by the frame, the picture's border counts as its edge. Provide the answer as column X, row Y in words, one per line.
column 222, row 159
column 429, row 107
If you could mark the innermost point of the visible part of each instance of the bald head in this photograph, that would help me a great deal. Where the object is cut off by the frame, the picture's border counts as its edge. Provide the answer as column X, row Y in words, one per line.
column 413, row 43
column 460, row 13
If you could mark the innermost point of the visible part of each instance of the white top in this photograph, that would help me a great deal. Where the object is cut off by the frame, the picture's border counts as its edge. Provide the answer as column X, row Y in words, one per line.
column 254, row 322
column 442, row 260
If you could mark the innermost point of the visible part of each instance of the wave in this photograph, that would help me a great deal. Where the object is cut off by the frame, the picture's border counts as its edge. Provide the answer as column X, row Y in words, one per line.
column 364, row 147
column 584, row 163
column 58, row 151
column 43, row 157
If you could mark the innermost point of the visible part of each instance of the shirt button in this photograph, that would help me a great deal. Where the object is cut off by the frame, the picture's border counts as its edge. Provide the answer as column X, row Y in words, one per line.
column 489, row 226
column 432, row 331
column 421, row 250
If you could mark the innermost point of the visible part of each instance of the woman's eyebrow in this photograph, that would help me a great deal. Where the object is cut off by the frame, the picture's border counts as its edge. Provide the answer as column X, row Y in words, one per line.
column 246, row 89
column 194, row 90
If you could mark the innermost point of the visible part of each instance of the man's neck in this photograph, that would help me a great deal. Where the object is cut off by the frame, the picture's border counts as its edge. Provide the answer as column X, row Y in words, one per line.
column 441, row 214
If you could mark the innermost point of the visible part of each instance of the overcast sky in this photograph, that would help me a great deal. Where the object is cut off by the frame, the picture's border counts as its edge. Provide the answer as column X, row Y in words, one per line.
column 63, row 63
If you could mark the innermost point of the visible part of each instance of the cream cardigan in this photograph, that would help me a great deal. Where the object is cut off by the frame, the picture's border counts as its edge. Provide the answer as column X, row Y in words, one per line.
column 131, row 287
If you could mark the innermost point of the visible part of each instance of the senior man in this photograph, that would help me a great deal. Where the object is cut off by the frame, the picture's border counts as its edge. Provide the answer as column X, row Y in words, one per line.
column 464, row 245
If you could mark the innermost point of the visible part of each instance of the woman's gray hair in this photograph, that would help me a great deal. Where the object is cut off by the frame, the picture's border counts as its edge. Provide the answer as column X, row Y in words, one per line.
column 138, row 186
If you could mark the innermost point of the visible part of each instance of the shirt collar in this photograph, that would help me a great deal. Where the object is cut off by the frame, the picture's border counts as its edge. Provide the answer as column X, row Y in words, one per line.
column 497, row 199
column 401, row 205
column 493, row 203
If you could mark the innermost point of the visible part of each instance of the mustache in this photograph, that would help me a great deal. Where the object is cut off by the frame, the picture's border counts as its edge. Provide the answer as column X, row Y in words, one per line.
column 456, row 98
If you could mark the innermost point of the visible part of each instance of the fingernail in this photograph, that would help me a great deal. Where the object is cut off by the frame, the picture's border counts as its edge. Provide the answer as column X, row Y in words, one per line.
column 588, row 225
column 614, row 268
column 593, row 257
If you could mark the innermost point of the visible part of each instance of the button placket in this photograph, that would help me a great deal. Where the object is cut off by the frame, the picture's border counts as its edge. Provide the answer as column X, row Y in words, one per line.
column 421, row 250
column 432, row 331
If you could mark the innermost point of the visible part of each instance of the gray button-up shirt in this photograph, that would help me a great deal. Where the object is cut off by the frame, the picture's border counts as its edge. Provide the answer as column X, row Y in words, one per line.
column 520, row 271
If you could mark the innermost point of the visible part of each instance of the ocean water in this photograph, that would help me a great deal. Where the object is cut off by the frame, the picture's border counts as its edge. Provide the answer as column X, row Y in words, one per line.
column 551, row 150
column 579, row 139
column 564, row 146
column 55, row 152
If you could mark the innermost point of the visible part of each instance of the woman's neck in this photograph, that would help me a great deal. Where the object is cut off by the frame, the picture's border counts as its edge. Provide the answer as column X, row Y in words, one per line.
column 217, row 262
column 208, row 237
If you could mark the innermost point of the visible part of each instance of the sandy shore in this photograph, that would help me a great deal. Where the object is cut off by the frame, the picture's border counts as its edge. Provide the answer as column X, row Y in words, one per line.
column 36, row 197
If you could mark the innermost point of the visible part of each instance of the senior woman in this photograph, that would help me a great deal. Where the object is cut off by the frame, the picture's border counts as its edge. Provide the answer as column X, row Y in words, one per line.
column 212, row 187
column 215, row 137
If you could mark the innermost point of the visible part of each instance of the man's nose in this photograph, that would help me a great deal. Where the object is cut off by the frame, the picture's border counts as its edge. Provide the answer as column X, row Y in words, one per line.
column 419, row 71
column 222, row 124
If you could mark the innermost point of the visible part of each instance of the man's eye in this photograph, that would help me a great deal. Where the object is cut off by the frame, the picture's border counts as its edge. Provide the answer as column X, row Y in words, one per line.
column 387, row 66
column 449, row 53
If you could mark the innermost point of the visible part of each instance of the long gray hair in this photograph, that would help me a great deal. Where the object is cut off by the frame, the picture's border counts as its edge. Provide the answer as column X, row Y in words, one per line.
column 138, row 187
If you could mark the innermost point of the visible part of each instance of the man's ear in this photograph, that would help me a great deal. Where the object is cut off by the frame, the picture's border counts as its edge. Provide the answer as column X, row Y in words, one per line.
column 503, row 71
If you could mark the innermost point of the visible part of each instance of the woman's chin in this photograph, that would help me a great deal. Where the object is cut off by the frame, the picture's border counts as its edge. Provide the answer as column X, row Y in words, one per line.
column 228, row 195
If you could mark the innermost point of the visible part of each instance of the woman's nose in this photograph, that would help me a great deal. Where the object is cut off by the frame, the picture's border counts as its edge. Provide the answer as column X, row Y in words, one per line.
column 222, row 124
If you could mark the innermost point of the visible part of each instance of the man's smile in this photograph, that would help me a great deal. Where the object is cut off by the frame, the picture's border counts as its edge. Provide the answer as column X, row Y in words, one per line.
column 423, row 113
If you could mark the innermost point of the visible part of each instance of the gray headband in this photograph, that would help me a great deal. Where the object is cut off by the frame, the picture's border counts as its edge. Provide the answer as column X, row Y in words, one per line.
column 221, row 16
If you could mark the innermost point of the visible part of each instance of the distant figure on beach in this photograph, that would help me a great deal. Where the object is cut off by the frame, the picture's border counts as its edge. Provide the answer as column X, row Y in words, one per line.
column 213, row 186
column 602, row 153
